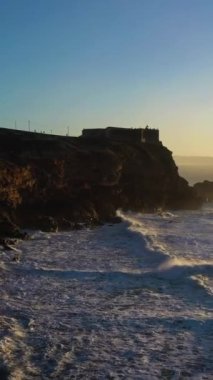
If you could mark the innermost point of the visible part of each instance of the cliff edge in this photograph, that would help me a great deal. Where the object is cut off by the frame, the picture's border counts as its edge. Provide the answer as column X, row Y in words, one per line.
column 48, row 181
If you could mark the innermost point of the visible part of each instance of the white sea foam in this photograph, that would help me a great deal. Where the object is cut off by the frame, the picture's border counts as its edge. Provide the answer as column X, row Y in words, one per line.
column 129, row 301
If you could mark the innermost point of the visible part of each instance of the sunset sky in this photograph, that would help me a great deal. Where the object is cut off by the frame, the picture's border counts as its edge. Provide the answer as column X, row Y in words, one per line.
column 94, row 63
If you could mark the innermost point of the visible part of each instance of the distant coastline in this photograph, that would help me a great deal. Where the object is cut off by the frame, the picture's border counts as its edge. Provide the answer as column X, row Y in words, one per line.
column 194, row 168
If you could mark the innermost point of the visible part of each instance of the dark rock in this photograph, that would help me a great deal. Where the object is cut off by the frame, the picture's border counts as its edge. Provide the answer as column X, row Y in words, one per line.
column 51, row 182
column 47, row 224
column 204, row 190
column 114, row 220
column 77, row 226
column 8, row 229
column 65, row 224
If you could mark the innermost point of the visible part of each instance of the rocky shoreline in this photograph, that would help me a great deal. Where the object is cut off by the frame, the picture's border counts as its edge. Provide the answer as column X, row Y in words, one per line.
column 52, row 182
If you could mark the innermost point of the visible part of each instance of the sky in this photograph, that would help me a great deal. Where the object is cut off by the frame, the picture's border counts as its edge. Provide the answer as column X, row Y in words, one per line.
column 95, row 63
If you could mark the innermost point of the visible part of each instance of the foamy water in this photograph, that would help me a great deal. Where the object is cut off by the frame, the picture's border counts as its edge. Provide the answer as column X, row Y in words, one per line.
column 129, row 301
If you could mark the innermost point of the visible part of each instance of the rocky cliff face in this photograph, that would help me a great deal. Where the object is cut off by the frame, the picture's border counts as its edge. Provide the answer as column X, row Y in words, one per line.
column 52, row 180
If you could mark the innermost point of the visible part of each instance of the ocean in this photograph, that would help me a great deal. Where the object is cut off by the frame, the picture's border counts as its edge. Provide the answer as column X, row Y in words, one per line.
column 126, row 301
column 195, row 169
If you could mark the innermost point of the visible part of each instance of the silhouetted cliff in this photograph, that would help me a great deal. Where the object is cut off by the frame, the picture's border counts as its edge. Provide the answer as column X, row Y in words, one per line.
column 48, row 180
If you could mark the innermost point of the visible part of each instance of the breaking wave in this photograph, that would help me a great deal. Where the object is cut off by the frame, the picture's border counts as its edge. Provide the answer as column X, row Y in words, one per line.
column 133, row 300
column 177, row 243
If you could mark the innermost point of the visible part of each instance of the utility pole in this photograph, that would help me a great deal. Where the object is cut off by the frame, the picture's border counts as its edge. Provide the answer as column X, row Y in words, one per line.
column 29, row 125
column 68, row 130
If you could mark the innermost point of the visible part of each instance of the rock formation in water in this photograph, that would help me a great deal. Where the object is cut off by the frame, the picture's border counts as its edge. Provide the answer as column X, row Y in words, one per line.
column 204, row 190
column 48, row 181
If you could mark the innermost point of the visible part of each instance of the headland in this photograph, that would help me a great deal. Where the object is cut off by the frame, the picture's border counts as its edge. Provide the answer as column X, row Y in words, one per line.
column 50, row 182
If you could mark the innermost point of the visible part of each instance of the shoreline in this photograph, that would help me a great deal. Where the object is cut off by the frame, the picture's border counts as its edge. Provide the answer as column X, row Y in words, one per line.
column 96, row 294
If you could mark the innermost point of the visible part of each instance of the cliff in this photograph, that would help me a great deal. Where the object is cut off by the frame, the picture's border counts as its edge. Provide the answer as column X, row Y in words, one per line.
column 48, row 181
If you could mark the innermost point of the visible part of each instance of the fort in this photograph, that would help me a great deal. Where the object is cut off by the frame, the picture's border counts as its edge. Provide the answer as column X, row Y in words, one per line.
column 136, row 135
column 49, row 181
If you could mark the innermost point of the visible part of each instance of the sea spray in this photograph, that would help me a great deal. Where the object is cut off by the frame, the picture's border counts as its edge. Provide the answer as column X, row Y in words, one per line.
column 129, row 300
